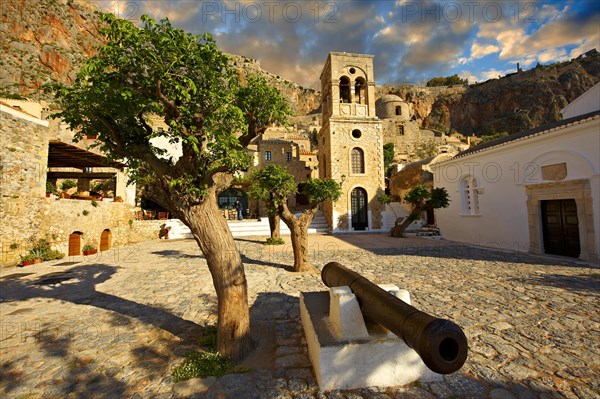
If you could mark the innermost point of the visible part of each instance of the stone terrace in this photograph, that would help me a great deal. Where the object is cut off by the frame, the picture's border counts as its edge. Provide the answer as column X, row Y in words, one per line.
column 114, row 325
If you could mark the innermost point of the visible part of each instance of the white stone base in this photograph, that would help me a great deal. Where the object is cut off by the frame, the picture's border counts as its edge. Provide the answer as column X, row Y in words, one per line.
column 368, row 356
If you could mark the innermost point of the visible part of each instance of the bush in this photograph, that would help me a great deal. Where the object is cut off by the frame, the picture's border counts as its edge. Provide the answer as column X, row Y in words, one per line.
column 68, row 184
column 204, row 364
column 41, row 249
column 274, row 241
column 88, row 247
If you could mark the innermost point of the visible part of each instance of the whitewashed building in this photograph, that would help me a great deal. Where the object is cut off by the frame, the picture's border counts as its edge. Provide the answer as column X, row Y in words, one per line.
column 535, row 191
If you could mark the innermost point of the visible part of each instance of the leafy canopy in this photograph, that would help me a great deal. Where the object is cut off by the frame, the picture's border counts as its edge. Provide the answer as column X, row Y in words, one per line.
column 437, row 197
column 159, row 71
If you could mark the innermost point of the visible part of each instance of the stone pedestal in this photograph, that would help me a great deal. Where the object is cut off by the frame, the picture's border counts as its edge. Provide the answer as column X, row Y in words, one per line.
column 348, row 351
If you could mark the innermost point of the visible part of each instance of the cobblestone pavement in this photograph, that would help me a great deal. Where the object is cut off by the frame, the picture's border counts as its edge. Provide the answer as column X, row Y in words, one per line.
column 114, row 325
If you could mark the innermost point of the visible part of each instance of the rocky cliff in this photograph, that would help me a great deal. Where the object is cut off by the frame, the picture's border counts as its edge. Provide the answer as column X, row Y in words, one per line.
column 515, row 102
column 48, row 40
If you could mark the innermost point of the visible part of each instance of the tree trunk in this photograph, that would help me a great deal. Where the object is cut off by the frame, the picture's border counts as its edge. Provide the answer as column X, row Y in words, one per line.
column 274, row 225
column 399, row 228
column 227, row 270
column 299, row 235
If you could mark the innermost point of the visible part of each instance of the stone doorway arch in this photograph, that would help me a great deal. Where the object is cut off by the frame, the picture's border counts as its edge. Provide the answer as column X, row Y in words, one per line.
column 75, row 243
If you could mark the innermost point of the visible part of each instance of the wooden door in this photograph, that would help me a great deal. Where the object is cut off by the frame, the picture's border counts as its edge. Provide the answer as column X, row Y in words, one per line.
column 75, row 244
column 560, row 227
column 105, row 240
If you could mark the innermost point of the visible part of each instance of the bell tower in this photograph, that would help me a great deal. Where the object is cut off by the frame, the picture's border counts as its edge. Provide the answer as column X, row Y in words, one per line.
column 351, row 142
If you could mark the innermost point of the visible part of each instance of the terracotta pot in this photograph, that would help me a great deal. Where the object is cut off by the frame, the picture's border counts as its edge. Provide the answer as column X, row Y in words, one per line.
column 38, row 260
column 27, row 263
column 119, row 200
column 90, row 252
column 91, row 137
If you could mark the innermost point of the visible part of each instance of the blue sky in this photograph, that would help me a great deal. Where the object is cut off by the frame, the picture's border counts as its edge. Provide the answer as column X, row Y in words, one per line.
column 412, row 41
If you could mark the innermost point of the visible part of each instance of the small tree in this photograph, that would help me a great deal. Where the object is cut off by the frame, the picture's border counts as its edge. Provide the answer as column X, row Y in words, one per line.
column 388, row 158
column 420, row 200
column 159, row 71
column 276, row 180
column 270, row 185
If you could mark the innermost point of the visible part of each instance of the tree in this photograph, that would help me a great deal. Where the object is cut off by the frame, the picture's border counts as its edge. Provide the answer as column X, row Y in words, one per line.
column 421, row 200
column 270, row 185
column 160, row 71
column 276, row 180
column 388, row 158
column 426, row 150
column 447, row 81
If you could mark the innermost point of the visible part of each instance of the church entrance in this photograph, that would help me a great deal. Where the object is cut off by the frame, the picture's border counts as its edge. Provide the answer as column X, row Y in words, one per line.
column 560, row 227
column 358, row 199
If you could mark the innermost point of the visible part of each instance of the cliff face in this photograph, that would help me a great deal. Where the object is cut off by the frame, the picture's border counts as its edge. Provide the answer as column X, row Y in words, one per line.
column 44, row 41
column 516, row 102
column 48, row 40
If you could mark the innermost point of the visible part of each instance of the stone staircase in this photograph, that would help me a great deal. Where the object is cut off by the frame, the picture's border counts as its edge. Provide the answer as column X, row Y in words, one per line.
column 250, row 227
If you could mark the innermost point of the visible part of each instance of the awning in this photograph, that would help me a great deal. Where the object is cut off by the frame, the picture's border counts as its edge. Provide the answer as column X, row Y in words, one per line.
column 63, row 155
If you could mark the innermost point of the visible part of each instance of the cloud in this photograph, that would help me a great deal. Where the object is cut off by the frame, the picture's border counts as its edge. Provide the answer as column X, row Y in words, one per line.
column 479, row 51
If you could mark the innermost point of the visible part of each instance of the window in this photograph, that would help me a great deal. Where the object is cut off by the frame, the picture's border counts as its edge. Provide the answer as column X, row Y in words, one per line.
column 401, row 130
column 288, row 156
column 267, row 155
column 469, row 195
column 358, row 160
column 398, row 110
column 161, row 129
column 356, row 133
column 344, row 89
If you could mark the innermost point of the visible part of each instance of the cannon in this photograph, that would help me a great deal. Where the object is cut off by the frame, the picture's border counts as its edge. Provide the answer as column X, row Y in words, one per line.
column 441, row 344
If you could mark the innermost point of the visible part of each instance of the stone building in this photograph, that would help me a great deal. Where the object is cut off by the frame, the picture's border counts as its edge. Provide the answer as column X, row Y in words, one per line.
column 351, row 142
column 35, row 151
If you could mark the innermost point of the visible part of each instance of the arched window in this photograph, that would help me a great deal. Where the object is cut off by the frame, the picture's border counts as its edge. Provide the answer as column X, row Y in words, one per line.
column 469, row 196
column 344, row 89
column 358, row 160
column 360, row 91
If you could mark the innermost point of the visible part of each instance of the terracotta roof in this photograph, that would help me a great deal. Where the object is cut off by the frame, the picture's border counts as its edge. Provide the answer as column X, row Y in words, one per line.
column 529, row 133
column 307, row 152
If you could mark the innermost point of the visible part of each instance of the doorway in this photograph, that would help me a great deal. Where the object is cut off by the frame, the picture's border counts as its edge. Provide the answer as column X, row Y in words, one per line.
column 358, row 201
column 560, row 227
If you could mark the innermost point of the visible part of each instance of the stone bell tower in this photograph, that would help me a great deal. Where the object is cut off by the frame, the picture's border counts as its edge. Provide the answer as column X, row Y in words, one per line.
column 351, row 142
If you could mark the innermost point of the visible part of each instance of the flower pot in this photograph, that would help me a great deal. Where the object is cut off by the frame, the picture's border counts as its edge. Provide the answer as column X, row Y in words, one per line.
column 90, row 252
column 90, row 137
column 27, row 263
column 47, row 195
column 37, row 260
column 119, row 200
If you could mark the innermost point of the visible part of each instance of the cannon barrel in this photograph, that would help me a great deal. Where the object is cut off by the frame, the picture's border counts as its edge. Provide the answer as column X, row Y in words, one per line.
column 441, row 343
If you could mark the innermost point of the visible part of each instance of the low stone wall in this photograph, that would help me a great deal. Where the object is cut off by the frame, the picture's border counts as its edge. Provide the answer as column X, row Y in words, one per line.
column 26, row 219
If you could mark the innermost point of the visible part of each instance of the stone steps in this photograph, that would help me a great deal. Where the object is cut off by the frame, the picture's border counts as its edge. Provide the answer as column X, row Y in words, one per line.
column 244, row 228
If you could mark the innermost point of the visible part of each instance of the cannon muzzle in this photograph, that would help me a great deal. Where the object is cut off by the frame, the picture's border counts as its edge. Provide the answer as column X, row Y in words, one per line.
column 441, row 343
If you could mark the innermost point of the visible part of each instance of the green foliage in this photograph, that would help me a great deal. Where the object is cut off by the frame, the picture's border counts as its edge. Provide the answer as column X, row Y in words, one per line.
column 42, row 249
column 272, row 184
column 418, row 195
column 384, row 199
column 388, row 158
column 94, row 203
column 28, row 257
column 319, row 190
column 274, row 241
column 13, row 245
column 88, row 247
column 159, row 70
column 50, row 188
column 493, row 136
column 447, row 81
column 68, row 184
column 85, row 212
column 204, row 364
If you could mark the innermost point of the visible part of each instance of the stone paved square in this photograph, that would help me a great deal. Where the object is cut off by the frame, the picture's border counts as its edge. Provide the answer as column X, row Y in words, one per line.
column 114, row 325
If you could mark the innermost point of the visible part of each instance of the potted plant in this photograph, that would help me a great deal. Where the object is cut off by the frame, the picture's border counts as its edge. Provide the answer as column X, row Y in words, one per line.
column 89, row 249
column 50, row 189
column 37, row 254
column 118, row 198
column 27, row 260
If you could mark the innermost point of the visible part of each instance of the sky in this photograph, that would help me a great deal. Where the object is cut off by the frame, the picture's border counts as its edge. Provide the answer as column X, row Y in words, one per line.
column 412, row 41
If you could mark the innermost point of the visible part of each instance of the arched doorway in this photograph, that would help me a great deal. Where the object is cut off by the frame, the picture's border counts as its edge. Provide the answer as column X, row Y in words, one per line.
column 105, row 240
column 358, row 202
column 75, row 243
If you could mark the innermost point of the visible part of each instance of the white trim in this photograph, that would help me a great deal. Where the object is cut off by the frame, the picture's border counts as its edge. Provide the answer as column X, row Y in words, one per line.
column 23, row 115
